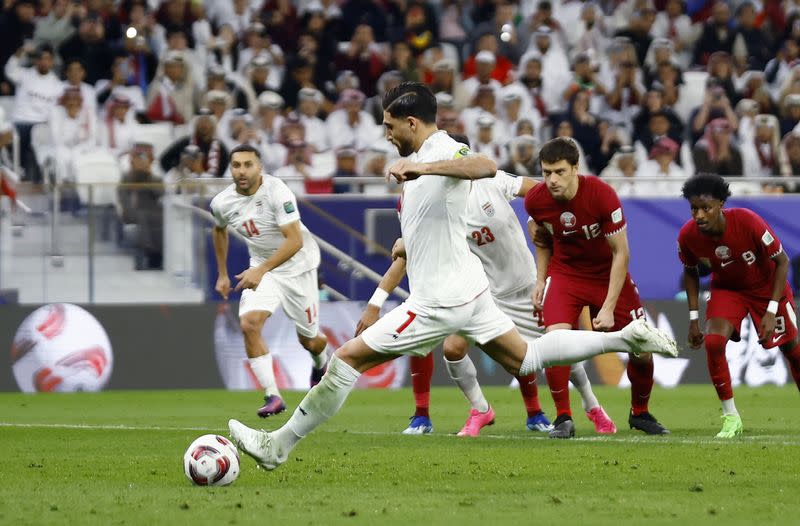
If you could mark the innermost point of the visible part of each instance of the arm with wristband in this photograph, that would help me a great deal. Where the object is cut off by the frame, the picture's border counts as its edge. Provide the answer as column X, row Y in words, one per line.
column 779, row 284
column 391, row 280
column 691, row 284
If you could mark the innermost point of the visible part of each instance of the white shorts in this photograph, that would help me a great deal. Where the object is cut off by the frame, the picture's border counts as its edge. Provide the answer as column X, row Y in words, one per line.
column 298, row 295
column 415, row 330
column 518, row 306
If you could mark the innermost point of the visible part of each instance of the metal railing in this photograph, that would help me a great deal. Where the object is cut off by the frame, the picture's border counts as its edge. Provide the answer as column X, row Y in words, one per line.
column 50, row 246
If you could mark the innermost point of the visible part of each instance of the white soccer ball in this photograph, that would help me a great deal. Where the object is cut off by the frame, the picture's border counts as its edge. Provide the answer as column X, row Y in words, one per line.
column 61, row 347
column 211, row 460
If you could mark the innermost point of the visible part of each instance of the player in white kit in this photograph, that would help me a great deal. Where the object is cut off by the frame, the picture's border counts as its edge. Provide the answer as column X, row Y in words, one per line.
column 449, row 289
column 494, row 235
column 283, row 266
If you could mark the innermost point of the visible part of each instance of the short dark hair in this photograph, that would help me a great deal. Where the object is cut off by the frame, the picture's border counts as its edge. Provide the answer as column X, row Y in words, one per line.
column 44, row 48
column 706, row 184
column 246, row 148
column 559, row 149
column 411, row 99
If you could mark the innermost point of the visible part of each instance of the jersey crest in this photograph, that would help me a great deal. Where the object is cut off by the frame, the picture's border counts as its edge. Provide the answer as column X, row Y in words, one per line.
column 722, row 252
column 488, row 209
column 568, row 219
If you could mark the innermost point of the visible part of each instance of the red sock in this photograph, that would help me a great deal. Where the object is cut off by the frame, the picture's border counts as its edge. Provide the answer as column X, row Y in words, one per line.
column 640, row 373
column 558, row 382
column 530, row 393
column 718, row 365
column 793, row 357
column 421, row 374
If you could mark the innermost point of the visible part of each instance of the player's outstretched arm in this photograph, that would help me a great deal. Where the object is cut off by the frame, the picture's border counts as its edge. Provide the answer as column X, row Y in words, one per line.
column 691, row 284
column 768, row 320
column 473, row 166
column 292, row 243
column 219, row 238
column 620, row 256
column 390, row 281
column 542, row 243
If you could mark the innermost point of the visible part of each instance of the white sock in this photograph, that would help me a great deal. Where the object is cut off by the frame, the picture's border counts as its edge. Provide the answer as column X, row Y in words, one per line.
column 262, row 369
column 728, row 407
column 565, row 347
column 464, row 374
column 578, row 377
column 319, row 404
column 319, row 359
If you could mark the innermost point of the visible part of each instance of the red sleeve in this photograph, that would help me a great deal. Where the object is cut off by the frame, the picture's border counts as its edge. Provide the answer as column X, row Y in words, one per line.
column 763, row 235
column 530, row 202
column 609, row 209
column 685, row 254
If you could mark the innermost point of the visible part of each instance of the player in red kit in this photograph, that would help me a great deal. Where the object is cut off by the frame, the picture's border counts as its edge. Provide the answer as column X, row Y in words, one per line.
column 748, row 276
column 582, row 250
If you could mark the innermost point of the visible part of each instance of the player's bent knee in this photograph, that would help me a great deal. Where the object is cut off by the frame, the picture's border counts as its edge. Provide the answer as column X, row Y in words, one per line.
column 455, row 348
column 251, row 323
column 715, row 343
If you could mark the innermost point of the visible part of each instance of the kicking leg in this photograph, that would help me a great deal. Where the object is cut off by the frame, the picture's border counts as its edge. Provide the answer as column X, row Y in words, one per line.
column 566, row 347
column 462, row 371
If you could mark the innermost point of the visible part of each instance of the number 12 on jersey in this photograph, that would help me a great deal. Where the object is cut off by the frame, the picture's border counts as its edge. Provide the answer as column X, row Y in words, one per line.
column 250, row 228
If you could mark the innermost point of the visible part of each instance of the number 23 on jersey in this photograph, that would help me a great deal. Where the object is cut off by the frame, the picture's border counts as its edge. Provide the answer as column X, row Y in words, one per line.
column 483, row 236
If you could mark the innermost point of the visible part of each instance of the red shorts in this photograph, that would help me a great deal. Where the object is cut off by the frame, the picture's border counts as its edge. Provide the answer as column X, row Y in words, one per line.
column 566, row 296
column 734, row 305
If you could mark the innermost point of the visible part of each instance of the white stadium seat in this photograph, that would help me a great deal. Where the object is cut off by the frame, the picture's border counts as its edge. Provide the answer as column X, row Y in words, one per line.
column 101, row 169
column 160, row 135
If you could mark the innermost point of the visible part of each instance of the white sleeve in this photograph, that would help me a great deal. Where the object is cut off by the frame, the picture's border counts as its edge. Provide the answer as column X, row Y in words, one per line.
column 219, row 218
column 13, row 70
column 508, row 184
column 284, row 204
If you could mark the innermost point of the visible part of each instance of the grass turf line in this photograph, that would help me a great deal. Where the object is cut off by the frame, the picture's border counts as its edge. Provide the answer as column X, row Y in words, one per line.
column 359, row 469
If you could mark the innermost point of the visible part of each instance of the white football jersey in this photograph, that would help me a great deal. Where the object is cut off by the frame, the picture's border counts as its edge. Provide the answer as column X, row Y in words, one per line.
column 495, row 235
column 258, row 218
column 433, row 219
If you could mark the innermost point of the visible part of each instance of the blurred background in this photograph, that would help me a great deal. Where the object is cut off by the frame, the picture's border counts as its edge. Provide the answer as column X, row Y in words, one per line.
column 117, row 116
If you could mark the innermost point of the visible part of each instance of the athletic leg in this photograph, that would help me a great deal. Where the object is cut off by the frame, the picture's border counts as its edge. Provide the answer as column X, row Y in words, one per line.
column 421, row 375
column 462, row 371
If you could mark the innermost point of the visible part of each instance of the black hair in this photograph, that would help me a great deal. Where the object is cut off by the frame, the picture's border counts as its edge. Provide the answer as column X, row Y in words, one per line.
column 459, row 137
column 559, row 149
column 72, row 60
column 246, row 148
column 706, row 184
column 411, row 99
column 44, row 48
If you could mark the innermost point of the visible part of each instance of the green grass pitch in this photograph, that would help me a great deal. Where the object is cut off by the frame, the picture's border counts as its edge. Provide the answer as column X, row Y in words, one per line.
column 115, row 458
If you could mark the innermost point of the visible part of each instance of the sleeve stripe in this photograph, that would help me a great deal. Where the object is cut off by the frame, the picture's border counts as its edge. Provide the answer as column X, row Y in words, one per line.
column 777, row 252
column 617, row 231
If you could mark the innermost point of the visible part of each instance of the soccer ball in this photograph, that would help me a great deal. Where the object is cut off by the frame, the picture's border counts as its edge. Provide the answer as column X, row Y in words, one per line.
column 211, row 460
column 61, row 348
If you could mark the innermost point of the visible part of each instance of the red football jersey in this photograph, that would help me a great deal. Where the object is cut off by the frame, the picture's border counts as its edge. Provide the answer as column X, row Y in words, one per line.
column 579, row 227
column 741, row 259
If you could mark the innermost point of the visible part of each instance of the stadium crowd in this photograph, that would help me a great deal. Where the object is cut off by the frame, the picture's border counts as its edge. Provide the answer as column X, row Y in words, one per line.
column 649, row 89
